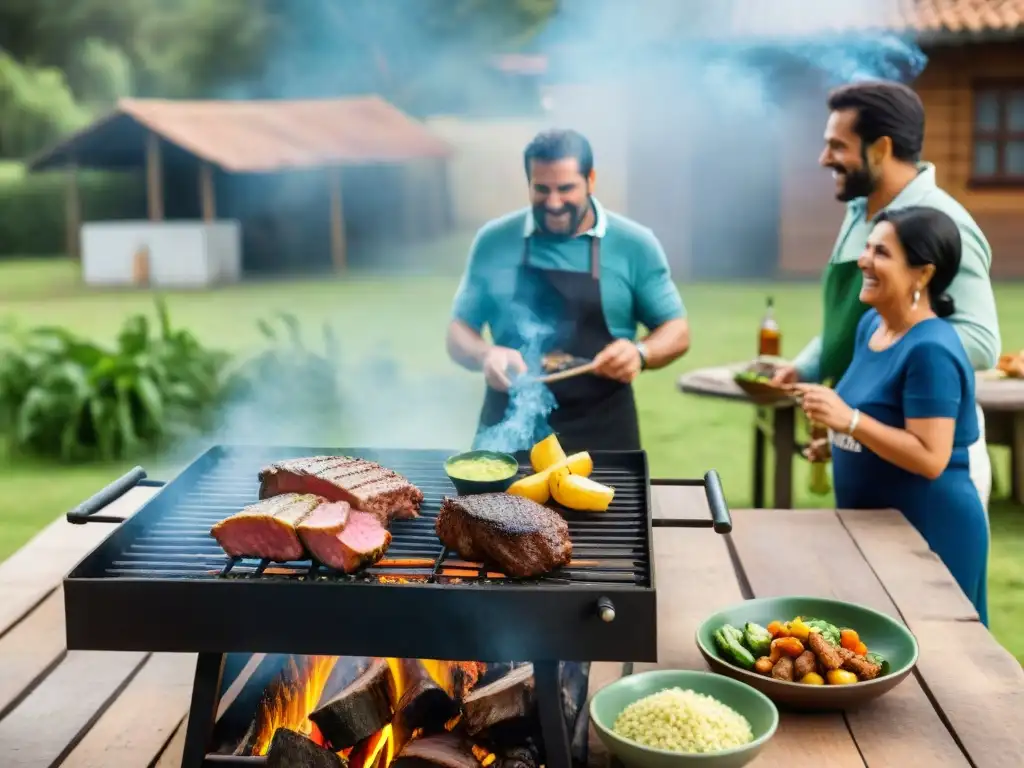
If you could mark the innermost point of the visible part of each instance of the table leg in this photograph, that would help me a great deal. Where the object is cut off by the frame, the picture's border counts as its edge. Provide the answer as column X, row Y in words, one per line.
column 1017, row 458
column 759, row 445
column 784, row 440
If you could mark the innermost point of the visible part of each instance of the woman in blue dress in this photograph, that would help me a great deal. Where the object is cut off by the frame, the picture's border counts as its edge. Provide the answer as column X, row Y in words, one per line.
column 902, row 417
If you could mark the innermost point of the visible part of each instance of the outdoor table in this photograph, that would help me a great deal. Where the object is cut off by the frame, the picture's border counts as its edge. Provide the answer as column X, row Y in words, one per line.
column 775, row 423
column 1002, row 401
column 961, row 708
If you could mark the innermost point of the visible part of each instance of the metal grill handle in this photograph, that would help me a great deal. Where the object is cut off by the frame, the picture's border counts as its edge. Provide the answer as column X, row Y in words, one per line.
column 721, row 519
column 86, row 511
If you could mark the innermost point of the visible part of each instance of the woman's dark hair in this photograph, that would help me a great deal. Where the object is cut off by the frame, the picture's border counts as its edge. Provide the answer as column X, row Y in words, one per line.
column 551, row 146
column 929, row 236
column 884, row 108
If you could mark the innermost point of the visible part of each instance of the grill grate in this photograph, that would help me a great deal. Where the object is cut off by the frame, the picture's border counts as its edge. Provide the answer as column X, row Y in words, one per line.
column 173, row 539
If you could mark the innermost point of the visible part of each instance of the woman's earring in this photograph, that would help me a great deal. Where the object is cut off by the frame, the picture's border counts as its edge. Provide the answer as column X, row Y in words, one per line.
column 917, row 298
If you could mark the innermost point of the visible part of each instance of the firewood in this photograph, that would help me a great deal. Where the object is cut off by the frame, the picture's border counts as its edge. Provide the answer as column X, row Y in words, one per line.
column 422, row 705
column 507, row 698
column 444, row 750
column 360, row 710
column 289, row 749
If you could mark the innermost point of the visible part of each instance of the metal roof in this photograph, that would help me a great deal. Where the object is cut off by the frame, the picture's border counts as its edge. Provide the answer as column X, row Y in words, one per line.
column 262, row 136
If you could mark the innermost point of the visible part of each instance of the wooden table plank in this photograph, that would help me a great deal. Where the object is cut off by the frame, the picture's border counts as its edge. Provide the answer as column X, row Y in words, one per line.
column 31, row 650
column 787, row 552
column 139, row 724
column 679, row 503
column 41, row 730
column 976, row 683
column 173, row 752
column 31, row 573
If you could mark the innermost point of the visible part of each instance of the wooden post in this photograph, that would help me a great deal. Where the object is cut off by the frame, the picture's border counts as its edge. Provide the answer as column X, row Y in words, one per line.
column 206, row 193
column 73, row 212
column 338, row 255
column 154, row 178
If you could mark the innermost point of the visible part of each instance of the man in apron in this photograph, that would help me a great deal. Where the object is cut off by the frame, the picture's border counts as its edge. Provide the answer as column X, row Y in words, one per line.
column 583, row 275
column 873, row 146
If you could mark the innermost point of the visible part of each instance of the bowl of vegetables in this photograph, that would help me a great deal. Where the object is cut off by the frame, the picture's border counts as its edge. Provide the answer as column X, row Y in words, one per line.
column 481, row 471
column 668, row 718
column 756, row 381
column 809, row 653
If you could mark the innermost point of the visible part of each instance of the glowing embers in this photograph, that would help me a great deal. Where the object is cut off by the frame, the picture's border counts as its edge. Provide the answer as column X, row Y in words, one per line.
column 370, row 713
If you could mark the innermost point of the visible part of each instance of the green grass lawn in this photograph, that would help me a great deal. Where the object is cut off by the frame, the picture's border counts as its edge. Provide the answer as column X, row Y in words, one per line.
column 403, row 319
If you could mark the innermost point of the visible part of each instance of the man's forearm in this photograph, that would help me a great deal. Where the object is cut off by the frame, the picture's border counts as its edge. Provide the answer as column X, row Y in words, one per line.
column 808, row 362
column 667, row 343
column 465, row 346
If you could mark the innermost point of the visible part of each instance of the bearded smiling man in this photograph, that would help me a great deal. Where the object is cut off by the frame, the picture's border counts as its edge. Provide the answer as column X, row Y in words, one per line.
column 590, row 277
column 873, row 143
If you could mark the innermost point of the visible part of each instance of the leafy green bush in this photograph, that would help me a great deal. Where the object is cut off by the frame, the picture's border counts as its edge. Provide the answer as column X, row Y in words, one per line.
column 67, row 397
column 33, row 218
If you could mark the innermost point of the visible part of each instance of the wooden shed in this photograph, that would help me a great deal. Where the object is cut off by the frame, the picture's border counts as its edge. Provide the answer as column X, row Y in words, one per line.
column 304, row 178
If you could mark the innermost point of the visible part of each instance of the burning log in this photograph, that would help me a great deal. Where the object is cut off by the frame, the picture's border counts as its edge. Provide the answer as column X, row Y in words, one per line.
column 289, row 749
column 424, row 705
column 444, row 750
column 507, row 698
column 361, row 709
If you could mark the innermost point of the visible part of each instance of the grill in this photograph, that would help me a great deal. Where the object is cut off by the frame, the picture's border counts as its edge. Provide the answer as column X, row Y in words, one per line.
column 161, row 583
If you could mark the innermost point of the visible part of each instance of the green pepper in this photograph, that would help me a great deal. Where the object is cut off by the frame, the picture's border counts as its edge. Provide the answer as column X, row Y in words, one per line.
column 729, row 642
column 828, row 631
column 757, row 639
column 877, row 658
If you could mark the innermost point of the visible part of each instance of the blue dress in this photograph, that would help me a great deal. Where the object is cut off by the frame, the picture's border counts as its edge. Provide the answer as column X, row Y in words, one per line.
column 926, row 374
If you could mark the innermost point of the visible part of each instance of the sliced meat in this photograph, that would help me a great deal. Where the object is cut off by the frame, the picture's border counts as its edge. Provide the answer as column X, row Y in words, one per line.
column 365, row 485
column 805, row 663
column 521, row 537
column 859, row 665
column 783, row 669
column 266, row 529
column 343, row 538
column 827, row 653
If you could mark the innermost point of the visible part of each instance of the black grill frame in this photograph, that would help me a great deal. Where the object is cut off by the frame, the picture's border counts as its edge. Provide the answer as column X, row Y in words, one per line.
column 546, row 619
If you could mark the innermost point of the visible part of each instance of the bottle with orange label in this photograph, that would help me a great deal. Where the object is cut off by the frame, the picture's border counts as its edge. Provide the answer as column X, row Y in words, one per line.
column 769, row 338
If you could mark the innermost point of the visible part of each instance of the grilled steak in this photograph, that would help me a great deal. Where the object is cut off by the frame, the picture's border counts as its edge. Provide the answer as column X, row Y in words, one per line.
column 266, row 529
column 342, row 538
column 519, row 536
column 365, row 485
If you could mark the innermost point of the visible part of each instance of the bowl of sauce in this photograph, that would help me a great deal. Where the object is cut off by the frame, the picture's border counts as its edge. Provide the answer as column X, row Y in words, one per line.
column 481, row 471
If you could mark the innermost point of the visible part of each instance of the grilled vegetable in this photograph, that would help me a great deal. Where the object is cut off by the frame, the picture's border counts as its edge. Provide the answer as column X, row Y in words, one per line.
column 848, row 639
column 788, row 646
column 778, row 629
column 729, row 642
column 798, row 629
column 812, row 678
column 841, row 677
column 763, row 666
column 757, row 639
column 828, row 631
column 877, row 658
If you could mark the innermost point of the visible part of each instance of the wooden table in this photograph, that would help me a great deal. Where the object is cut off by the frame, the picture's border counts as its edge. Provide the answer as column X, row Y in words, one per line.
column 772, row 424
column 1002, row 401
column 963, row 708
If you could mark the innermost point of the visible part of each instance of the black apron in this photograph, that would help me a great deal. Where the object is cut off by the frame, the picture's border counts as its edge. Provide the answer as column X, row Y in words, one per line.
column 593, row 413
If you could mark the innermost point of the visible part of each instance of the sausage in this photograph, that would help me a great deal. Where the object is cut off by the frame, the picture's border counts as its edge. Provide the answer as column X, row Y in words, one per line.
column 827, row 653
column 783, row 669
column 805, row 663
column 860, row 666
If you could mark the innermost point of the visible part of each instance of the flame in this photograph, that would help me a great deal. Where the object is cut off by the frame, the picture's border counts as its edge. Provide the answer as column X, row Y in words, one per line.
column 288, row 705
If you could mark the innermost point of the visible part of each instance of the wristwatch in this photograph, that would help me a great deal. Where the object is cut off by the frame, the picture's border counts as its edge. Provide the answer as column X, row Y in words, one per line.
column 642, row 349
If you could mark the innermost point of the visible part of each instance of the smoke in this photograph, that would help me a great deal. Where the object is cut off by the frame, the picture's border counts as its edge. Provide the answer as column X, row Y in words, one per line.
column 713, row 81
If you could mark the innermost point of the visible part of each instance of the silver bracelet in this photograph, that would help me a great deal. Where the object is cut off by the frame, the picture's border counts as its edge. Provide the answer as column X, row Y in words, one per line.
column 854, row 421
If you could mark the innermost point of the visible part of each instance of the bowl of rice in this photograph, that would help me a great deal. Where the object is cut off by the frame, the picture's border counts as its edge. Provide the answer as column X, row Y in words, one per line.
column 667, row 718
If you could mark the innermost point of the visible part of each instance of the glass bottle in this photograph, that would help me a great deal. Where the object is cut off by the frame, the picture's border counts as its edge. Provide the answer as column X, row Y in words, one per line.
column 769, row 340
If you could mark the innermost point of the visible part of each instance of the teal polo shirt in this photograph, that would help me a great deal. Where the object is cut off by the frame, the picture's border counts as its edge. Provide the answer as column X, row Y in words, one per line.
column 636, row 284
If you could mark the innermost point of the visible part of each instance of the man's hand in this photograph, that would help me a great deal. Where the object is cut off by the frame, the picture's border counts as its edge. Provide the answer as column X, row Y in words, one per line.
column 620, row 361
column 500, row 364
column 785, row 375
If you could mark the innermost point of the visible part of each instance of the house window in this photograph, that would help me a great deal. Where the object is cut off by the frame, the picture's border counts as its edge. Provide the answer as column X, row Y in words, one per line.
column 999, row 134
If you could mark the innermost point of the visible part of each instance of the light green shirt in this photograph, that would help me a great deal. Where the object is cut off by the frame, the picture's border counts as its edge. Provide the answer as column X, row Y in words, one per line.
column 975, row 318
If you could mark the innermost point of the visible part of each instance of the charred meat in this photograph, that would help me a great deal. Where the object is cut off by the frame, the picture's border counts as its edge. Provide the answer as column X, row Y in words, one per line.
column 267, row 529
column 343, row 538
column 519, row 536
column 365, row 485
